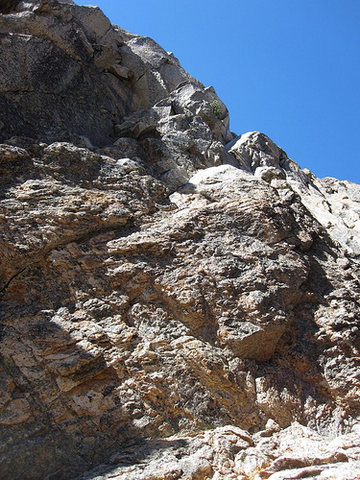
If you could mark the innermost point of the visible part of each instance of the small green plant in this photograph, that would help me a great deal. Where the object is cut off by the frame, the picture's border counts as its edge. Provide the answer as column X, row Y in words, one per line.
column 216, row 109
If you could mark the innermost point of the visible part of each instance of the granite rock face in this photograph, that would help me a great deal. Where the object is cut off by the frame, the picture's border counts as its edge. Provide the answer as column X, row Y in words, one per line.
column 176, row 302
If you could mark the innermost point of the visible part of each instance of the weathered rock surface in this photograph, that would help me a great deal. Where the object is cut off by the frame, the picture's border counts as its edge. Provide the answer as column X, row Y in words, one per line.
column 176, row 302
column 333, row 203
column 229, row 453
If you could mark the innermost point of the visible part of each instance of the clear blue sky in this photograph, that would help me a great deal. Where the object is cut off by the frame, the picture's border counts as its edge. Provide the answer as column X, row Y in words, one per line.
column 289, row 68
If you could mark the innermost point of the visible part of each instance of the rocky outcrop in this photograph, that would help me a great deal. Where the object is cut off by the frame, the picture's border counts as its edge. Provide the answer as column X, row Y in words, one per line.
column 68, row 74
column 228, row 453
column 177, row 302
column 333, row 203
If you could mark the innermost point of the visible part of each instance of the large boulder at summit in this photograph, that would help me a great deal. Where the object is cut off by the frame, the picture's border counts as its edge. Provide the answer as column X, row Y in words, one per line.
column 177, row 302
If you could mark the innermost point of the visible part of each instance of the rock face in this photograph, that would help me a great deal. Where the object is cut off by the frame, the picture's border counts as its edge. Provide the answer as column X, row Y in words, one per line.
column 176, row 302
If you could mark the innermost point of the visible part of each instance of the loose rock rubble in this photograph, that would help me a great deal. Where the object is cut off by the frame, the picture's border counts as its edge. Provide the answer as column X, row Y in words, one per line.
column 177, row 302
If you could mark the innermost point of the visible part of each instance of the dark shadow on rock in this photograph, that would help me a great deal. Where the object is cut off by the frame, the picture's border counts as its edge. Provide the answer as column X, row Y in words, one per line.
column 302, row 374
column 47, row 376
column 8, row 6
column 140, row 452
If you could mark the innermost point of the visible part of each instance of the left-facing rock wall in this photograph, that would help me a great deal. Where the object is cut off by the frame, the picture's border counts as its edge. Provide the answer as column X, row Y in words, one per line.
column 50, row 85
column 67, row 73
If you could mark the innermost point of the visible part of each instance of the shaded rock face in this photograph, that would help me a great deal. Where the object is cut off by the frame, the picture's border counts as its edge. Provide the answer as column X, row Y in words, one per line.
column 67, row 73
column 8, row 6
column 176, row 302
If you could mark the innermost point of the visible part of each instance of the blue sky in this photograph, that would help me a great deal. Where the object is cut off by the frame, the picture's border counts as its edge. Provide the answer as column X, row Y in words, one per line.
column 289, row 68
